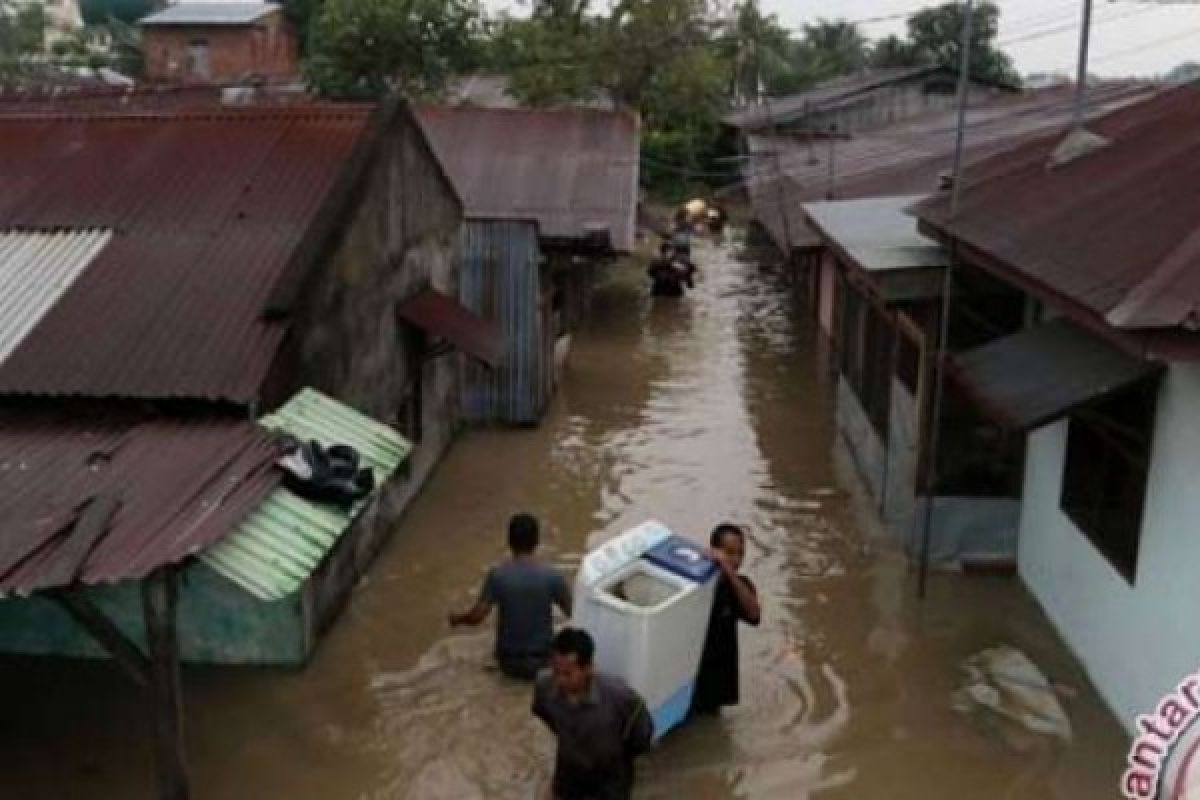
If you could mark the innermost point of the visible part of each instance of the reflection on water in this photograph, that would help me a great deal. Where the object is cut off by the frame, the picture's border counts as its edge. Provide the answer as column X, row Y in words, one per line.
column 690, row 411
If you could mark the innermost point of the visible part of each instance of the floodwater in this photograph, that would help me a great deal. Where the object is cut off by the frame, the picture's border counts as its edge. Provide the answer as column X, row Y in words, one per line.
column 692, row 412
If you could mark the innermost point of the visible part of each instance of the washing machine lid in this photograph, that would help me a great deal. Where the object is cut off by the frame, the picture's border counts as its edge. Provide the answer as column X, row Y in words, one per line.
column 682, row 557
column 621, row 551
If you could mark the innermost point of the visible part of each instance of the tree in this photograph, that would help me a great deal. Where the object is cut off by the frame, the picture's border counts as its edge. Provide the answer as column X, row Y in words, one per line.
column 892, row 51
column 935, row 35
column 22, row 36
column 760, row 55
column 363, row 48
column 832, row 48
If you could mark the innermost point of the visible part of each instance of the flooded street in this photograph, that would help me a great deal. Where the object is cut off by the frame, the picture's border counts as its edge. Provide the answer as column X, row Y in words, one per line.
column 691, row 412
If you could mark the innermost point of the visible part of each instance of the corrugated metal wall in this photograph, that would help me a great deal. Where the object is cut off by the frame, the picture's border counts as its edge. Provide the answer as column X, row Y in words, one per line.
column 500, row 282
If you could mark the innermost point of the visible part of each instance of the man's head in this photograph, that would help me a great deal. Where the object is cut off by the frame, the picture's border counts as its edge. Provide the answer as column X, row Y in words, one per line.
column 730, row 539
column 571, row 661
column 522, row 534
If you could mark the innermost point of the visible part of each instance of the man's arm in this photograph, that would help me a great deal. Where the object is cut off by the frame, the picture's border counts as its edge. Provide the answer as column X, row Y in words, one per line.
column 473, row 616
column 639, row 727
column 539, row 708
column 743, row 590
column 562, row 595
column 482, row 608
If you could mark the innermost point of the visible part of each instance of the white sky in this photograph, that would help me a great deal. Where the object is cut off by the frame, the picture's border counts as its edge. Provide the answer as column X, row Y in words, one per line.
column 1128, row 37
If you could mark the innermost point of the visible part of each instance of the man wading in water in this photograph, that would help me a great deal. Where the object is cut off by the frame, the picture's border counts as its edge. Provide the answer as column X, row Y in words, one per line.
column 736, row 599
column 602, row 725
column 525, row 590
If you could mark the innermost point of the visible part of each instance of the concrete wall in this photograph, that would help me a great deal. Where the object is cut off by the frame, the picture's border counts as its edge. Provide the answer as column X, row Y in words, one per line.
column 267, row 48
column 350, row 344
column 1136, row 641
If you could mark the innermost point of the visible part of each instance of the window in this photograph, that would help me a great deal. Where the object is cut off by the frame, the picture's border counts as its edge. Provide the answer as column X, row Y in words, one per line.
column 198, row 62
column 1104, row 481
column 411, row 414
column 865, row 355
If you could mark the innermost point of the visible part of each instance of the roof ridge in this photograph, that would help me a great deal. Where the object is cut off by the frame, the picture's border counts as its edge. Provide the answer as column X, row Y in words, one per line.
column 198, row 114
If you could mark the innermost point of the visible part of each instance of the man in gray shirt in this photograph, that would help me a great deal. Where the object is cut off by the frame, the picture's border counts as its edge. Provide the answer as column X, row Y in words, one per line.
column 601, row 724
column 525, row 591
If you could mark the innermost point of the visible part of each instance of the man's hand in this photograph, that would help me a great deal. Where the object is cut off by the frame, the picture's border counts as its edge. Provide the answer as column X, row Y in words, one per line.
column 721, row 559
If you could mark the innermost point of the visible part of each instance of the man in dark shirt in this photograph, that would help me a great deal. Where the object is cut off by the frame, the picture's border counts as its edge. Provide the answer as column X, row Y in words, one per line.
column 601, row 724
column 525, row 591
column 736, row 601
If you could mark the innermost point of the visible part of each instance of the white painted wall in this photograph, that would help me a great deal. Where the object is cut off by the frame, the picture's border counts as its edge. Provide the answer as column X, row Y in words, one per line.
column 1135, row 641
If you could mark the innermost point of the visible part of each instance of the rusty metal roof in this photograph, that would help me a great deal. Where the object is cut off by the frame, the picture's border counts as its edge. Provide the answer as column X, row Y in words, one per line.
column 782, row 110
column 179, row 486
column 443, row 316
column 785, row 172
column 1115, row 233
column 207, row 209
column 574, row 171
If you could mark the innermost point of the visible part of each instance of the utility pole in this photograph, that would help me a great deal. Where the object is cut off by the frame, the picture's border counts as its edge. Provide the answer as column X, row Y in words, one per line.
column 935, row 417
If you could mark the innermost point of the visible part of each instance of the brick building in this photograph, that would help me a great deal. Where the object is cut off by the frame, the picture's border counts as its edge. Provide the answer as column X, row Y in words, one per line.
column 218, row 42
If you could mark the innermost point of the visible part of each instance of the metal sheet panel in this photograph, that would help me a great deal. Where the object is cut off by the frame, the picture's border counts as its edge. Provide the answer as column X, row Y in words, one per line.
column 1113, row 232
column 181, row 485
column 277, row 547
column 200, row 14
column 877, row 233
column 573, row 171
column 500, row 282
column 36, row 269
column 783, row 173
column 1034, row 377
column 209, row 209
column 443, row 316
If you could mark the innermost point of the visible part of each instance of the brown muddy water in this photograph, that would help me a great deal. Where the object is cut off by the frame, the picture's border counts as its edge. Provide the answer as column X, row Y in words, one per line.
column 692, row 412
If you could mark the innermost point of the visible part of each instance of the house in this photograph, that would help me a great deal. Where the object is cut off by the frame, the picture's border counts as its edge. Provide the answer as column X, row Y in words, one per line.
column 1101, row 382
column 783, row 173
column 862, row 102
column 876, row 296
column 175, row 286
column 549, row 196
column 218, row 42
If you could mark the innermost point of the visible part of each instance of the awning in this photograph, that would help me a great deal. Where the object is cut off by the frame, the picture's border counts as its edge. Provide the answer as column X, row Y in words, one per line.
column 442, row 315
column 1041, row 374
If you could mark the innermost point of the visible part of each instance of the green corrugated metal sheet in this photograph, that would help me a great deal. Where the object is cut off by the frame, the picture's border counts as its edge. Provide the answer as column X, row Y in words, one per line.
column 275, row 549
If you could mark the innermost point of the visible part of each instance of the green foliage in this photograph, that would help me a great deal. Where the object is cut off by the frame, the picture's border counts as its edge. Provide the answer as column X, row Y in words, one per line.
column 935, row 36
column 832, row 48
column 892, row 51
column 22, row 36
column 364, row 48
column 99, row 12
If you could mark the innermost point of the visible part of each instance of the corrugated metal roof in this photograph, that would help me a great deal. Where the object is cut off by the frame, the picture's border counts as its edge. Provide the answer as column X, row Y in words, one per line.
column 877, row 232
column 36, row 268
column 784, row 172
column 1114, row 232
column 574, row 171
column 1034, row 377
column 180, row 485
column 278, row 546
column 210, row 14
column 442, row 315
column 782, row 110
column 208, row 208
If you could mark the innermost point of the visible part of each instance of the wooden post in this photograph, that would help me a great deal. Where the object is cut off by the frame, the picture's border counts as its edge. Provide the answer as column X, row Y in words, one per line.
column 159, row 596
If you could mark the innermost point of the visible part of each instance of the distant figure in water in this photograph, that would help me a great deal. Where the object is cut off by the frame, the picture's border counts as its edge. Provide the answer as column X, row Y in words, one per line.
column 525, row 590
column 670, row 273
column 601, row 724
column 736, row 601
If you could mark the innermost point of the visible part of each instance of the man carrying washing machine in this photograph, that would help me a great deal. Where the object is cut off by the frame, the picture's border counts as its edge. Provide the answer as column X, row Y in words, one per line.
column 601, row 724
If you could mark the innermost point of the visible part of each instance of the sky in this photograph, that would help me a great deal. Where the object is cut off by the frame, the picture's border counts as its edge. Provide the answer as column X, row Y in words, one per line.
column 1129, row 37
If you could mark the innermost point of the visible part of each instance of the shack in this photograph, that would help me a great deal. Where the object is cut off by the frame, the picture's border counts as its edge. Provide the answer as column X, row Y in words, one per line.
column 550, row 195
column 1101, row 381
column 877, row 297
column 167, row 277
